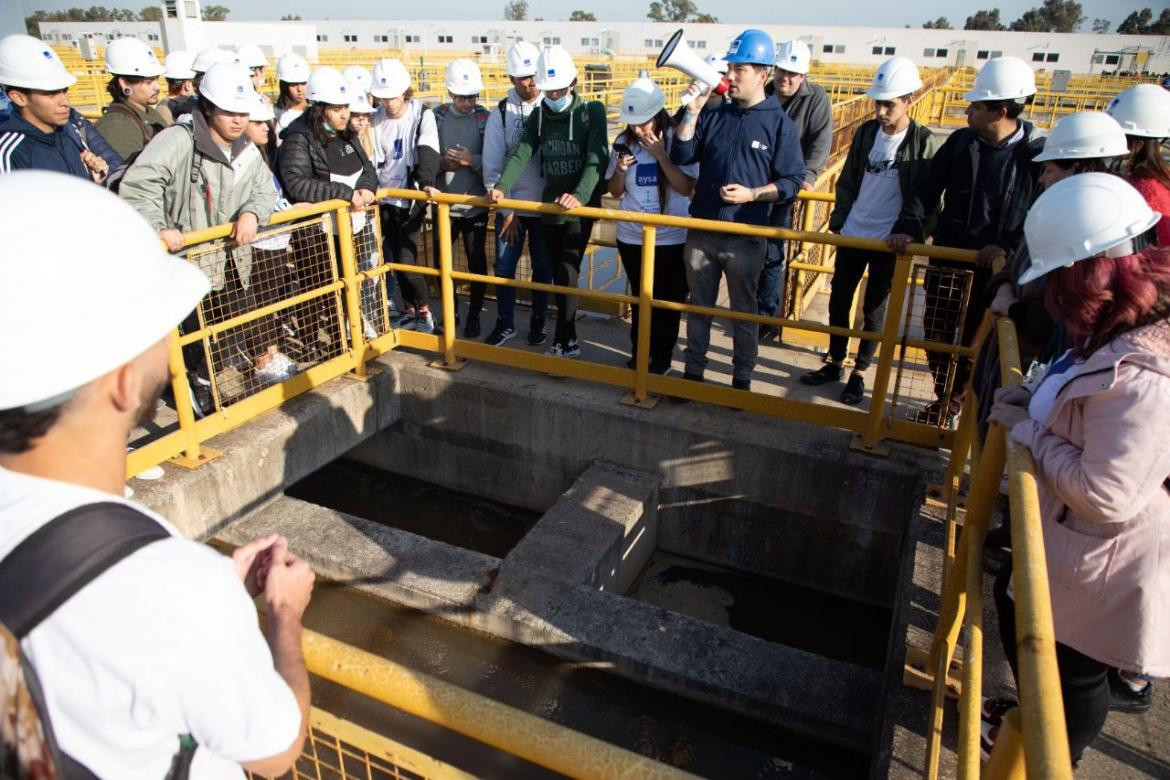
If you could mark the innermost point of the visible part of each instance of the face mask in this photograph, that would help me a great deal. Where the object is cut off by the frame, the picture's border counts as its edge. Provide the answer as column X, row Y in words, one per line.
column 560, row 104
column 328, row 128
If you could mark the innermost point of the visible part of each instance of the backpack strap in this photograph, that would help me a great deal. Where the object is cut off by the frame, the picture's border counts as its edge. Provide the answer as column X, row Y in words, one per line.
column 122, row 108
column 503, row 106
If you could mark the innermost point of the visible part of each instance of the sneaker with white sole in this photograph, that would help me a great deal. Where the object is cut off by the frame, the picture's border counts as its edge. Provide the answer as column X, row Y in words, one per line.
column 500, row 334
column 368, row 330
column 424, row 323
column 279, row 368
column 570, row 349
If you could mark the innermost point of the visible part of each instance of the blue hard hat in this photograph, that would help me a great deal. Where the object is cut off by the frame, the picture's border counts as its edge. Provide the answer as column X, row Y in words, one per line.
column 753, row 47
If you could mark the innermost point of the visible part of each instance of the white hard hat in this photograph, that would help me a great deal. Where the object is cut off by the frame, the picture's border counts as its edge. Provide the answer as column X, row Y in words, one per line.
column 327, row 85
column 894, row 78
column 141, row 291
column 716, row 62
column 251, row 56
column 360, row 104
column 641, row 101
column 292, row 69
column 1084, row 216
column 28, row 62
column 358, row 77
column 229, row 87
column 261, row 110
column 391, row 79
column 1142, row 110
column 555, row 69
column 1084, row 135
column 522, row 57
column 178, row 65
column 1003, row 78
column 793, row 56
column 463, row 78
column 132, row 57
column 212, row 56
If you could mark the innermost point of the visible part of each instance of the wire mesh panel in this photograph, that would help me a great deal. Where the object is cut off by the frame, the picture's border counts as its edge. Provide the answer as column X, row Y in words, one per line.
column 375, row 294
column 928, row 383
column 284, row 262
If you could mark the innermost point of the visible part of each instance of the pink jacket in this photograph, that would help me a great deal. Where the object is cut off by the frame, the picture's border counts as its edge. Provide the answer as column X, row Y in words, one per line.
column 1102, row 457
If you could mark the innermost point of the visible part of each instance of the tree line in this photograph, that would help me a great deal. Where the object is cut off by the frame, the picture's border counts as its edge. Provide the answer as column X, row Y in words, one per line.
column 1064, row 16
column 99, row 13
column 664, row 11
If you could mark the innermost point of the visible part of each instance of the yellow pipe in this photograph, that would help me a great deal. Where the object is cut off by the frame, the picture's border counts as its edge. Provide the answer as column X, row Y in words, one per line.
column 508, row 729
column 182, row 392
column 1007, row 756
column 645, row 312
column 881, row 382
column 446, row 285
column 353, row 301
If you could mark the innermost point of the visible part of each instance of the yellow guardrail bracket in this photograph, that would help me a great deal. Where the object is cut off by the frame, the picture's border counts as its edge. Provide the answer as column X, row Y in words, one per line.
column 916, row 674
column 206, row 455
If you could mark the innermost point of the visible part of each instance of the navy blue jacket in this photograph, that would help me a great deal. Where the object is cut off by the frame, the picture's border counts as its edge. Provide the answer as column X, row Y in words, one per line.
column 23, row 146
column 752, row 147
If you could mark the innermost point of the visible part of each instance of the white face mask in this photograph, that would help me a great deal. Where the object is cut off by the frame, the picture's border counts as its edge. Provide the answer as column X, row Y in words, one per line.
column 559, row 104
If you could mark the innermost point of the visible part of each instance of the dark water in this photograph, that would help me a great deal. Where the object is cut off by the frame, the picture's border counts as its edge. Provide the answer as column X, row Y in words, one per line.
column 460, row 519
column 700, row 739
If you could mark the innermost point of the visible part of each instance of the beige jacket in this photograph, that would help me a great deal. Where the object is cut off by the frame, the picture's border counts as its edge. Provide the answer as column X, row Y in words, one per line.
column 1102, row 459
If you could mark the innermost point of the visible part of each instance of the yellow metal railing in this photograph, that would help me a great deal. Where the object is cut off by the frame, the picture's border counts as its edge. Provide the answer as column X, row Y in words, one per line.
column 1032, row 742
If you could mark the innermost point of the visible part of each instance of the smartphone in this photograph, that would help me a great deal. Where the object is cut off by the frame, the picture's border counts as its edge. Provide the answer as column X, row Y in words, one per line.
column 621, row 148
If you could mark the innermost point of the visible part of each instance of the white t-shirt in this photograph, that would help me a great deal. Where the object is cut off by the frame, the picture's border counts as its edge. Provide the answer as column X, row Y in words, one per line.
column 394, row 140
column 284, row 118
column 879, row 201
column 642, row 195
column 163, row 643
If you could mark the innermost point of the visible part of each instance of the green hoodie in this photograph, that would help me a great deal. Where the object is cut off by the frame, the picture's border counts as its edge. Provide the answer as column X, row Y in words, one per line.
column 573, row 153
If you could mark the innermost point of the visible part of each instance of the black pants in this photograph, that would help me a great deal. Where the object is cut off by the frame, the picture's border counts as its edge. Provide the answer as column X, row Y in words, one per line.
column 473, row 232
column 670, row 284
column 945, row 288
column 847, row 273
column 1083, row 682
column 401, row 235
column 565, row 245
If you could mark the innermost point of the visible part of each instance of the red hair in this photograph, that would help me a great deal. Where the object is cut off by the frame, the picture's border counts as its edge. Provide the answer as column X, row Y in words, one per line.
column 1100, row 298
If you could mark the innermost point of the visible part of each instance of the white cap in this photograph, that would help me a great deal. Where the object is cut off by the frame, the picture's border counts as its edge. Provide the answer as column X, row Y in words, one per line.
column 1084, row 135
column 894, row 78
column 390, row 80
column 716, row 62
column 292, row 69
column 1003, row 78
column 132, row 57
column 641, row 101
column 261, row 110
column 1084, row 216
column 358, row 77
column 522, row 57
column 360, row 104
column 230, row 88
column 555, row 69
column 251, row 56
column 1142, row 110
column 793, row 56
column 212, row 56
column 178, row 65
column 28, row 62
column 141, row 291
column 463, row 78
column 327, row 85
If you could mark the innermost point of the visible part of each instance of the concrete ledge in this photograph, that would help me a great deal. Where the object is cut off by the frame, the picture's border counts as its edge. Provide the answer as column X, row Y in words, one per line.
column 276, row 449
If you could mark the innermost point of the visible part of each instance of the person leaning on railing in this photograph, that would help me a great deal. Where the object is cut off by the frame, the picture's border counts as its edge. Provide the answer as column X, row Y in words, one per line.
column 641, row 174
column 886, row 158
column 1096, row 424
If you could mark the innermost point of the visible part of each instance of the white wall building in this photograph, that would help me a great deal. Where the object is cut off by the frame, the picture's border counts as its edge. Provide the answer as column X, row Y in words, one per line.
column 1077, row 52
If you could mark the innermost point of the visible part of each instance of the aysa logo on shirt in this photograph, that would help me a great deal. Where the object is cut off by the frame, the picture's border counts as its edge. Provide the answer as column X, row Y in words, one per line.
column 646, row 175
column 397, row 148
column 763, row 147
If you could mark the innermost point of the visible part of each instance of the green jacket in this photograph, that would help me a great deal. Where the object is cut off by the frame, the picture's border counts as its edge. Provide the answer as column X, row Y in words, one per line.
column 911, row 159
column 573, row 153
column 159, row 186
column 127, row 129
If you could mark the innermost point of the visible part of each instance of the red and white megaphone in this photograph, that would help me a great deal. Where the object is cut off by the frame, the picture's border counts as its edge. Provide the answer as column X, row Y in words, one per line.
column 676, row 54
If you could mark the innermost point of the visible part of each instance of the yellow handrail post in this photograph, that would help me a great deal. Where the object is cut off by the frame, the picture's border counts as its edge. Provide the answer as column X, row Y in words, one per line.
column 640, row 396
column 353, row 299
column 869, row 441
column 193, row 455
column 446, row 289
column 1007, row 756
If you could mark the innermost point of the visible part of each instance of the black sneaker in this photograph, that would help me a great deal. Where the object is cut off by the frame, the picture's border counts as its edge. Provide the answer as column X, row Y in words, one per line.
column 499, row 335
column 471, row 330
column 537, row 332
column 934, row 414
column 741, row 384
column 769, row 332
column 1124, row 698
column 854, row 392
column 823, row 375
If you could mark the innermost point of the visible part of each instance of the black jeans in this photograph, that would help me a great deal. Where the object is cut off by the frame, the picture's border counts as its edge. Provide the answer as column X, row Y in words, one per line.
column 565, row 245
column 401, row 234
column 670, row 284
column 473, row 232
column 1083, row 682
column 847, row 273
column 945, row 289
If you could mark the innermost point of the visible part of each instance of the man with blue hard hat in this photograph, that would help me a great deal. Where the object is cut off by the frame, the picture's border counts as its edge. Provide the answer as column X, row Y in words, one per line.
column 750, row 160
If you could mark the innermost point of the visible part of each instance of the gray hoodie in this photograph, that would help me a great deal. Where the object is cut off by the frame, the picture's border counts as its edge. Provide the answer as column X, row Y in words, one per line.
column 501, row 138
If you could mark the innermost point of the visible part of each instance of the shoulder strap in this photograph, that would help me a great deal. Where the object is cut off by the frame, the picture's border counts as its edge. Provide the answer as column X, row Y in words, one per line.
column 481, row 118
column 440, row 114
column 503, row 106
column 63, row 556
column 122, row 108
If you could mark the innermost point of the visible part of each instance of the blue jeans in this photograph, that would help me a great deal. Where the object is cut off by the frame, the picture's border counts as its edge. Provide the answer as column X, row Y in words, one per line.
column 507, row 257
column 772, row 279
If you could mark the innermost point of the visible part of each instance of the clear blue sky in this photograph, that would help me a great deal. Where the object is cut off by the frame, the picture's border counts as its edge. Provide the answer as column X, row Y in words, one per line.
column 835, row 12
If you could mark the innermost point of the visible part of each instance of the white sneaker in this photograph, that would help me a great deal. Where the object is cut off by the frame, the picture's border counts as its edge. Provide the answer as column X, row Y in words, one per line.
column 278, row 369
column 368, row 330
column 569, row 349
column 424, row 323
column 152, row 473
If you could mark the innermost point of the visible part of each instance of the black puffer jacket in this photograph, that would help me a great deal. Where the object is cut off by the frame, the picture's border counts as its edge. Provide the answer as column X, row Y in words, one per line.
column 304, row 170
